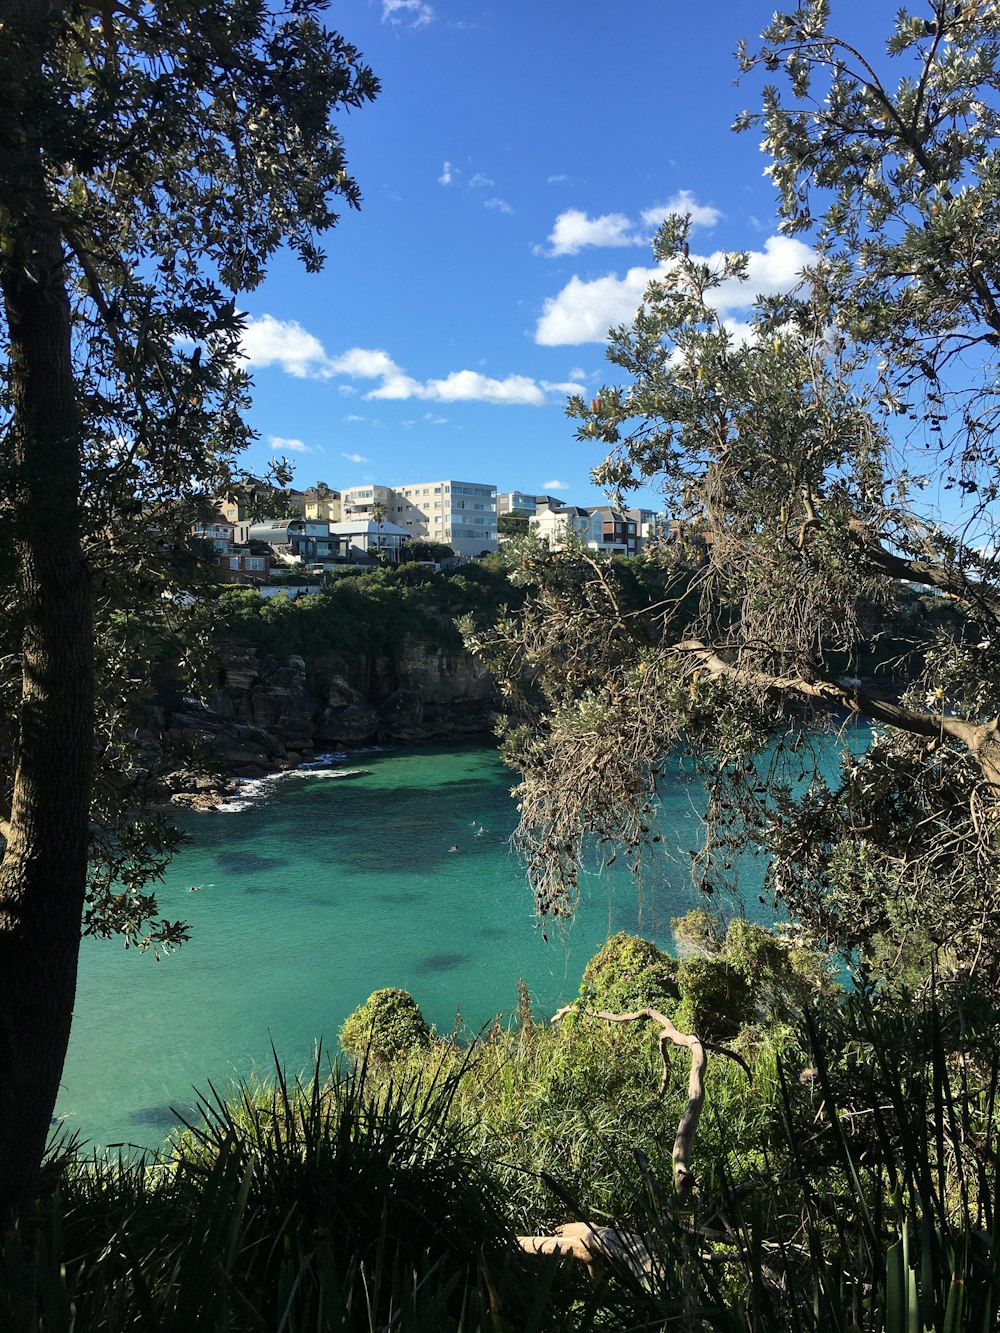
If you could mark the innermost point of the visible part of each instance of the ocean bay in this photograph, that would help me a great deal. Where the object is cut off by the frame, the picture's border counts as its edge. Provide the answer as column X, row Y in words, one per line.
column 320, row 891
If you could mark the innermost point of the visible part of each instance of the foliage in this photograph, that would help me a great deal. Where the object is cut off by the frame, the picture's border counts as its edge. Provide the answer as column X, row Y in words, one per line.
column 513, row 524
column 153, row 158
column 629, row 973
column 424, row 549
column 302, row 1206
column 798, row 449
column 366, row 613
column 848, row 1183
column 388, row 1024
column 156, row 241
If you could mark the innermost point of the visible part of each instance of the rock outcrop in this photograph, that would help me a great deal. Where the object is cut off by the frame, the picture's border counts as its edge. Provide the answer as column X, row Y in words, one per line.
column 268, row 713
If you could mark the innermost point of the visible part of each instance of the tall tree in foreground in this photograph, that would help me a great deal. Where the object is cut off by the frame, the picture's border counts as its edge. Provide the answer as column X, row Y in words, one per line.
column 835, row 469
column 152, row 158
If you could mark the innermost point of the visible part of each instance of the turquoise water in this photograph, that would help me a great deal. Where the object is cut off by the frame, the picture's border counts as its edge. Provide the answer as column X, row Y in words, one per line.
column 317, row 893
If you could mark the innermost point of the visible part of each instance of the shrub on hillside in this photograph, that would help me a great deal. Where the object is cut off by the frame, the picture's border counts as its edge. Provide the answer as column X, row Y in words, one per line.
column 387, row 1025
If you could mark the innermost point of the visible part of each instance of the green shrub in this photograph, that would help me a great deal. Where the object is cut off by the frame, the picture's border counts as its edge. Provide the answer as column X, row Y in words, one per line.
column 387, row 1025
column 629, row 973
column 716, row 998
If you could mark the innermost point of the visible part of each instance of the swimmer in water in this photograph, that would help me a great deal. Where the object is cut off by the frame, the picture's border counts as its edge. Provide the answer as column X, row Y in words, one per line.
column 453, row 847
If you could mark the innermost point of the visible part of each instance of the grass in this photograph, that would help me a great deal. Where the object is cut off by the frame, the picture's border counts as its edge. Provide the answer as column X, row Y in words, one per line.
column 850, row 1185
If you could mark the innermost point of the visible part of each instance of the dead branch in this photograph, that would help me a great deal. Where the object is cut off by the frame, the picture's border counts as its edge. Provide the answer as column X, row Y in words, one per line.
column 590, row 1245
column 684, row 1178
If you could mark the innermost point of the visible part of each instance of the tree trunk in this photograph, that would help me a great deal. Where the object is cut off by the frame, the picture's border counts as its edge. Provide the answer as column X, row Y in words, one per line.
column 44, row 868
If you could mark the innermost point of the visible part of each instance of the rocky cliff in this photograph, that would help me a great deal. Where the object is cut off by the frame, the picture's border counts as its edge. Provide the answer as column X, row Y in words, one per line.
column 268, row 713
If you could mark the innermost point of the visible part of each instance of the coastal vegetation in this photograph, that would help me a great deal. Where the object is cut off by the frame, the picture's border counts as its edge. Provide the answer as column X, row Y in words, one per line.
column 845, row 1177
column 152, row 161
column 366, row 611
column 796, row 455
column 819, row 1148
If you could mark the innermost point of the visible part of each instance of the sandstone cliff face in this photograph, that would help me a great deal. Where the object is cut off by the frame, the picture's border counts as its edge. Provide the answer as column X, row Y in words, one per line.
column 269, row 713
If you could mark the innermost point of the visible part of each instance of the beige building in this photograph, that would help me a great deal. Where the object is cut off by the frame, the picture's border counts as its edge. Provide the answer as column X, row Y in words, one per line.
column 323, row 504
column 461, row 514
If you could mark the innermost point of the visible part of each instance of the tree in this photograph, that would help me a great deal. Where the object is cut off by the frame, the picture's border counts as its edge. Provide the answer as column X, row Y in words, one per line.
column 423, row 548
column 152, row 159
column 387, row 1025
column 378, row 517
column 802, row 449
column 514, row 524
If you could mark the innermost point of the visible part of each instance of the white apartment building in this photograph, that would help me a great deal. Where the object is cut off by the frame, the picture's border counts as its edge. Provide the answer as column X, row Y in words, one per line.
column 520, row 502
column 553, row 526
column 462, row 514
column 357, row 501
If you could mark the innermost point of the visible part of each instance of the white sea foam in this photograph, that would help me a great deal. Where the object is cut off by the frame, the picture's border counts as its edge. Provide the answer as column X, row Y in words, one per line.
column 252, row 791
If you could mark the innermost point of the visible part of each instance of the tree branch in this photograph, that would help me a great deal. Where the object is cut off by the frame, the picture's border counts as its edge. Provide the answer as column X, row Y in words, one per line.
column 928, row 574
column 684, row 1178
column 979, row 738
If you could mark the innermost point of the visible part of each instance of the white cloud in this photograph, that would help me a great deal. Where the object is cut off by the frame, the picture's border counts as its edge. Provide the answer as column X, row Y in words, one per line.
column 577, row 374
column 555, row 485
column 362, row 364
column 275, row 342
column 501, row 205
column 574, row 230
column 557, row 180
column 356, row 458
column 285, row 343
column 411, row 13
column 435, row 421
column 471, row 386
column 702, row 215
column 479, row 181
column 584, row 311
column 446, row 177
column 283, row 445
column 396, row 385
column 458, row 386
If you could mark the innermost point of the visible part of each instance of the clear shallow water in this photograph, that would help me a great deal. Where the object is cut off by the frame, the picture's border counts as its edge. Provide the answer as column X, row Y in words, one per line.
column 320, row 891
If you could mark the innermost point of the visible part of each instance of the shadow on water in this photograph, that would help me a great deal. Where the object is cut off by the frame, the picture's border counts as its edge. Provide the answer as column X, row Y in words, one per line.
column 248, row 863
column 442, row 962
column 163, row 1117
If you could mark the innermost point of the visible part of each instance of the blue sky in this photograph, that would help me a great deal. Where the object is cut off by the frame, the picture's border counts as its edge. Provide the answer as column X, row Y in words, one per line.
column 513, row 169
